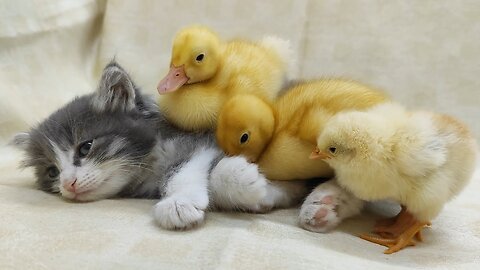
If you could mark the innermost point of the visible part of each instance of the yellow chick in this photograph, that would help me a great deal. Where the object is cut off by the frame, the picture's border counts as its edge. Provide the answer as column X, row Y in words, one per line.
column 419, row 159
column 205, row 72
column 280, row 136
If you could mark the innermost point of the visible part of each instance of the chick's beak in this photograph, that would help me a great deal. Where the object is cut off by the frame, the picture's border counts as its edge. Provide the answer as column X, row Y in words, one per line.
column 317, row 154
column 175, row 78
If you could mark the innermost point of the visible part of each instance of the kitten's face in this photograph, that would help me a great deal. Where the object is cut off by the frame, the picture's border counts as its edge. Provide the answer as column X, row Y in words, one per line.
column 92, row 148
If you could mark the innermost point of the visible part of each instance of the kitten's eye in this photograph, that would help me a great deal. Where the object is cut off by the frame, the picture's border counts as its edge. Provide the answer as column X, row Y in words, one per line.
column 52, row 172
column 332, row 150
column 84, row 148
column 244, row 138
column 200, row 57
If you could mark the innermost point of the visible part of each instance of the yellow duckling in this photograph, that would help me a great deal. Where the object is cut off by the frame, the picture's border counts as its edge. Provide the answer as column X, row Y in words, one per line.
column 279, row 137
column 205, row 72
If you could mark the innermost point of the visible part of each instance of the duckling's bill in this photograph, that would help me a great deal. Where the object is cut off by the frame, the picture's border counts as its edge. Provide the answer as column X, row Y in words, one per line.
column 175, row 78
column 317, row 154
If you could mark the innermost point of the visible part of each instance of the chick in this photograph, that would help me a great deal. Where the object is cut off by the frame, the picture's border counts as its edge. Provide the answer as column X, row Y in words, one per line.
column 280, row 136
column 205, row 72
column 419, row 159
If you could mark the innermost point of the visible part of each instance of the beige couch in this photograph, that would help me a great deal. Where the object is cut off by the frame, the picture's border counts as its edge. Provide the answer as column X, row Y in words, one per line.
column 424, row 53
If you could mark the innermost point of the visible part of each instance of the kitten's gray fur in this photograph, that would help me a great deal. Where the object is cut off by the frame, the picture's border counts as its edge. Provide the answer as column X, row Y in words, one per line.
column 135, row 152
column 113, row 115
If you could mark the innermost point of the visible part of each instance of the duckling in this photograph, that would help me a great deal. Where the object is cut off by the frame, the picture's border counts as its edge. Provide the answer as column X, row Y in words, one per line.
column 419, row 159
column 205, row 72
column 279, row 136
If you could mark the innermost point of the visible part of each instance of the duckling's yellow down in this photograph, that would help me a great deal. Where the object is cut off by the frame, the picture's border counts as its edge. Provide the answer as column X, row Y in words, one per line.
column 226, row 69
column 283, row 134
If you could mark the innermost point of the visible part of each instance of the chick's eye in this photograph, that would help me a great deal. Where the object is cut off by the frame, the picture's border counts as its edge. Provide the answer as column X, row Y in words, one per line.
column 244, row 138
column 200, row 57
column 332, row 150
column 84, row 148
column 52, row 172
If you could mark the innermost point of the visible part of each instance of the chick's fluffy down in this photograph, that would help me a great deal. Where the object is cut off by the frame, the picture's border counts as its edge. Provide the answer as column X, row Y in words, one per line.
column 419, row 159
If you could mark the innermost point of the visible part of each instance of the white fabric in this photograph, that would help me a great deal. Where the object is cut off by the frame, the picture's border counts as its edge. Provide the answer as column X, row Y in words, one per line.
column 424, row 53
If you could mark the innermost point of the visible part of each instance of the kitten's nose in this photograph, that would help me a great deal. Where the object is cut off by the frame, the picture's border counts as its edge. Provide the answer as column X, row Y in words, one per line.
column 70, row 185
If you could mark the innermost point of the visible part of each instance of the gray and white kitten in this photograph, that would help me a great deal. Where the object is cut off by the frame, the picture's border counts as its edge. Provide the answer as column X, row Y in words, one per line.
column 115, row 143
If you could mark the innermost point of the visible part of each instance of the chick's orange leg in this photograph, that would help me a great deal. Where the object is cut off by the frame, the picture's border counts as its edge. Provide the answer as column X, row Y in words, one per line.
column 388, row 242
column 382, row 224
column 405, row 239
column 390, row 226
column 393, row 227
column 397, row 228
column 398, row 234
column 389, row 221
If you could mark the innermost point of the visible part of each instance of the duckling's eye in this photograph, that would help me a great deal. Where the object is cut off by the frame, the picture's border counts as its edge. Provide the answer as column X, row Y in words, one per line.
column 244, row 138
column 84, row 148
column 52, row 172
column 200, row 57
column 332, row 150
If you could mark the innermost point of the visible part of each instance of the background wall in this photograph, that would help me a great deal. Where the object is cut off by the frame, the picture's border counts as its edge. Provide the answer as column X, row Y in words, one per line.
column 424, row 53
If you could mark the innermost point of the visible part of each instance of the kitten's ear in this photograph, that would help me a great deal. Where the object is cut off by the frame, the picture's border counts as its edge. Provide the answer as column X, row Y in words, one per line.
column 21, row 141
column 116, row 90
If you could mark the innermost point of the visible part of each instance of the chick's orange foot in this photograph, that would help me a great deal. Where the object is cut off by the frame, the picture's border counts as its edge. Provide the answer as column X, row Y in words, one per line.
column 393, row 245
column 397, row 232
column 404, row 239
column 394, row 226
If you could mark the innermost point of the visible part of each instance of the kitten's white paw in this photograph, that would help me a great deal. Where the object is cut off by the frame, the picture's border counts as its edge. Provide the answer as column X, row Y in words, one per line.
column 237, row 184
column 320, row 214
column 327, row 206
column 178, row 213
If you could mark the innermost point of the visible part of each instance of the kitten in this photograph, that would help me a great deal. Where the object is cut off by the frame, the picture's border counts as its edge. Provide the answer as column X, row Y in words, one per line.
column 116, row 143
